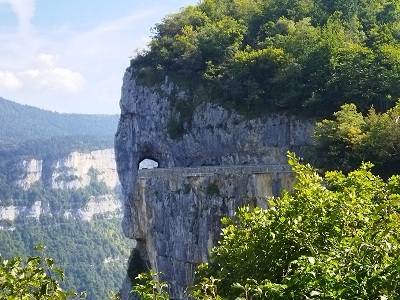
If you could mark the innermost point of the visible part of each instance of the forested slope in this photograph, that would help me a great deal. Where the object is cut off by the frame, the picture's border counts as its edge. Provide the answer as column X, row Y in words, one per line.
column 93, row 253
column 29, row 130
column 303, row 56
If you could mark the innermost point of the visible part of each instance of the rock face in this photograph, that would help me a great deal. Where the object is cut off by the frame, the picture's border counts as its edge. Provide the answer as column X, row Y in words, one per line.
column 31, row 173
column 74, row 171
column 178, row 213
column 102, row 205
column 71, row 172
column 175, row 218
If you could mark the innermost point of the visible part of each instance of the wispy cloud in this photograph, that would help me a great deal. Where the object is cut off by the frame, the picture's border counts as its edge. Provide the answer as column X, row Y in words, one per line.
column 68, row 67
column 112, row 38
column 24, row 11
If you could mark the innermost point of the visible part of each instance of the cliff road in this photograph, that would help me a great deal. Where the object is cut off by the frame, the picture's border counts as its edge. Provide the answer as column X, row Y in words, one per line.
column 219, row 161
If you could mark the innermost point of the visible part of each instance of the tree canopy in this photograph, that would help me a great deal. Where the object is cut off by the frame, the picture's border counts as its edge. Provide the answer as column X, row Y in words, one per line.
column 305, row 56
column 92, row 254
column 343, row 142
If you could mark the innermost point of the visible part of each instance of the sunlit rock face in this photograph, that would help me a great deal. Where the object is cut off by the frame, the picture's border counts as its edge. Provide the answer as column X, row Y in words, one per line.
column 73, row 171
column 77, row 169
column 70, row 172
column 31, row 172
column 105, row 205
column 175, row 216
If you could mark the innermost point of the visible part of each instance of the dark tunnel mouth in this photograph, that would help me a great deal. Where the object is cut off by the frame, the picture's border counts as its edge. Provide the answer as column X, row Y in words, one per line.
column 149, row 155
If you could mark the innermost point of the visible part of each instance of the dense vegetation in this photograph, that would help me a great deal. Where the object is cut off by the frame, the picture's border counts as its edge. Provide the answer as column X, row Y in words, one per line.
column 350, row 138
column 92, row 254
column 27, row 130
column 304, row 56
column 55, row 147
column 333, row 237
column 35, row 278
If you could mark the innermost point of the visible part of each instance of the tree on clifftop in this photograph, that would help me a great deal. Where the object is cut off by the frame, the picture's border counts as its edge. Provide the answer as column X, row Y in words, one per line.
column 304, row 56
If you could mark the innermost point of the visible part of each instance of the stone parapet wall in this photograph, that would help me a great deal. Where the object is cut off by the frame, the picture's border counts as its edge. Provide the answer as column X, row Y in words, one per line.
column 207, row 170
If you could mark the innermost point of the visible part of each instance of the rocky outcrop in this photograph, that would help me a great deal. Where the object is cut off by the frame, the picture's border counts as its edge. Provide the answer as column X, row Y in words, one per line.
column 102, row 205
column 31, row 172
column 71, row 172
column 175, row 220
column 177, row 215
column 74, row 171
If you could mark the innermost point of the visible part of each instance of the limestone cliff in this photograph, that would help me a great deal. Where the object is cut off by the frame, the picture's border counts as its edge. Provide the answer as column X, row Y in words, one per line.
column 103, row 205
column 71, row 172
column 74, row 171
column 30, row 172
column 175, row 218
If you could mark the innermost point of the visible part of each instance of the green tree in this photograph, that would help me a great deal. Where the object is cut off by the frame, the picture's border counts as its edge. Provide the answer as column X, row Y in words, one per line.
column 336, row 141
column 350, row 138
column 33, row 279
column 335, row 52
column 149, row 288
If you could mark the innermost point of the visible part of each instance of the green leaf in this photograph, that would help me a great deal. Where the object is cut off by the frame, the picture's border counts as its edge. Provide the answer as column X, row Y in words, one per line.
column 59, row 273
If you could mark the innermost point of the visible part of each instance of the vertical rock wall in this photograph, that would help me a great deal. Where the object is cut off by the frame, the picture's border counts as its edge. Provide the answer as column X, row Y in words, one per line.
column 176, row 220
column 71, row 172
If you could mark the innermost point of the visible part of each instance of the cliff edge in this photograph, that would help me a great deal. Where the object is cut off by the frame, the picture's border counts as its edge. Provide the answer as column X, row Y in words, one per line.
column 175, row 215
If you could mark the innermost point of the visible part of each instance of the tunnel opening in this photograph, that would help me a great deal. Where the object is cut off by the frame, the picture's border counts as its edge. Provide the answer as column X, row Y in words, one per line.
column 148, row 163
column 149, row 157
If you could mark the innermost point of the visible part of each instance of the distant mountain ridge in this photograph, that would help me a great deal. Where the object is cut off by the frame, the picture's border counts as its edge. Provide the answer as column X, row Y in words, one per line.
column 20, row 122
column 28, row 130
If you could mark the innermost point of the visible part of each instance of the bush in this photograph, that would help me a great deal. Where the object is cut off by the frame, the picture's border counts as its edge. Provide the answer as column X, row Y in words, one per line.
column 33, row 279
column 334, row 237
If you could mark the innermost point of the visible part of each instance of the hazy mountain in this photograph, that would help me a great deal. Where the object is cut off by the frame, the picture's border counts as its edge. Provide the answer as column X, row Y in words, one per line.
column 20, row 122
column 28, row 130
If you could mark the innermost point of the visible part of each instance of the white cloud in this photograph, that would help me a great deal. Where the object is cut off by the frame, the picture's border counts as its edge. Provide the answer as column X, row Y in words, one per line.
column 24, row 11
column 9, row 80
column 49, row 75
column 68, row 68
column 48, row 60
column 46, row 74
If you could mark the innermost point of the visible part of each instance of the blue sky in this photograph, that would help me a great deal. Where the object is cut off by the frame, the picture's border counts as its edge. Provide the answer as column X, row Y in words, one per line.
column 70, row 56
